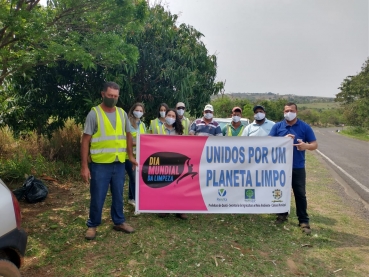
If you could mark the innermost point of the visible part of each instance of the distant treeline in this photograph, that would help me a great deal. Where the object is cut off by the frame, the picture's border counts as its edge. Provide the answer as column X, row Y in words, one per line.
column 272, row 96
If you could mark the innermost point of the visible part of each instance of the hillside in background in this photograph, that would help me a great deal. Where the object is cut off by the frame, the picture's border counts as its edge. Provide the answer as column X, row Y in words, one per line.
column 272, row 96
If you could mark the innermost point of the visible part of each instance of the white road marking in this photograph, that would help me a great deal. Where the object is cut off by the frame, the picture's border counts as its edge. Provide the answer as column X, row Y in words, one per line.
column 344, row 172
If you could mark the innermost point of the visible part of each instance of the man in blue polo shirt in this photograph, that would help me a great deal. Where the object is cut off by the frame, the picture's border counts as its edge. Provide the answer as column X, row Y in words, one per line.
column 261, row 126
column 304, row 139
column 206, row 126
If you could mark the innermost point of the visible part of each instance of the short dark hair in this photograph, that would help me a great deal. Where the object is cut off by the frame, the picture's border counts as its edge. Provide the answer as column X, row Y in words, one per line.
column 112, row 85
column 291, row 104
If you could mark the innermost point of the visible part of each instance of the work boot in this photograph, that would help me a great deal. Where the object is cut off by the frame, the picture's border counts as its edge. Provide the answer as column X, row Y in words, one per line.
column 305, row 227
column 90, row 233
column 182, row 216
column 281, row 219
column 124, row 227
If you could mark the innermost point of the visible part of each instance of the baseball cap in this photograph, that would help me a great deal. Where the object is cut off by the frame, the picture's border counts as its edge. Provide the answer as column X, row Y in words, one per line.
column 209, row 107
column 180, row 104
column 258, row 107
column 236, row 108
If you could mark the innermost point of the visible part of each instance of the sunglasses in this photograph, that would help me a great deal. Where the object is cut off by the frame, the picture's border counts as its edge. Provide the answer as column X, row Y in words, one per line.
column 180, row 108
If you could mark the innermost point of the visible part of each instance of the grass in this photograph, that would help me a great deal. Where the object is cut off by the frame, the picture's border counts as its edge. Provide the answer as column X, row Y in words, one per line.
column 356, row 132
column 205, row 245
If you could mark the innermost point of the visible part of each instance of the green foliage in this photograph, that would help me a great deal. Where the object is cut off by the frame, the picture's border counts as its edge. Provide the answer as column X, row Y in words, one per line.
column 357, row 132
column 223, row 106
column 84, row 42
column 103, row 42
column 84, row 32
column 28, row 155
column 174, row 66
column 354, row 97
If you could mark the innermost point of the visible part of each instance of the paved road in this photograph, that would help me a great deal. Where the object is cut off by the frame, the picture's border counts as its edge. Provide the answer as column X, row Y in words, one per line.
column 348, row 157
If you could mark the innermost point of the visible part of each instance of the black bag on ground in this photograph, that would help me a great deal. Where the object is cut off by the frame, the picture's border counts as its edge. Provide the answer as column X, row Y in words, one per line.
column 34, row 190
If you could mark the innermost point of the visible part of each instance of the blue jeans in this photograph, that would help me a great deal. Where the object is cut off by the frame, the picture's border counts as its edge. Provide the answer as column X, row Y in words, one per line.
column 132, row 180
column 101, row 176
column 299, row 191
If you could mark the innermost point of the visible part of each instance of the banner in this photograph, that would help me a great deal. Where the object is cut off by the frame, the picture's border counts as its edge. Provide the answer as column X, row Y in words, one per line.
column 198, row 174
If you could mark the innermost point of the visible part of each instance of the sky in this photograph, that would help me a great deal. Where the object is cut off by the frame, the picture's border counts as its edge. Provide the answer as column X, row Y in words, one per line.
column 282, row 46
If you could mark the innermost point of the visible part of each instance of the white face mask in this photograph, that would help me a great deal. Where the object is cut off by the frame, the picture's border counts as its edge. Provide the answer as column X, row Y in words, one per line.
column 162, row 114
column 137, row 114
column 180, row 112
column 208, row 115
column 236, row 118
column 259, row 116
column 170, row 120
column 290, row 116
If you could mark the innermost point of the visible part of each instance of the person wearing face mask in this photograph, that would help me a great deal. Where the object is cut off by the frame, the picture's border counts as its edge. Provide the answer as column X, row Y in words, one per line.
column 172, row 126
column 235, row 128
column 107, row 137
column 206, row 126
column 157, row 123
column 304, row 139
column 185, row 121
column 261, row 126
column 137, row 127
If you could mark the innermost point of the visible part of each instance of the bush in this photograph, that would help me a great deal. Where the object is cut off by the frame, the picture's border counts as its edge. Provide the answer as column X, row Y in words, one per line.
column 30, row 155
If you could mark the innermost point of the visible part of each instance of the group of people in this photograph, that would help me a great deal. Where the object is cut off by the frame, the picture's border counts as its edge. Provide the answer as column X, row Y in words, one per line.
column 108, row 149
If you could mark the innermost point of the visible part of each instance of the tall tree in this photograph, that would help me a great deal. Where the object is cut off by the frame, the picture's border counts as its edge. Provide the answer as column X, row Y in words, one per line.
column 174, row 65
column 84, row 49
column 78, row 31
column 354, row 97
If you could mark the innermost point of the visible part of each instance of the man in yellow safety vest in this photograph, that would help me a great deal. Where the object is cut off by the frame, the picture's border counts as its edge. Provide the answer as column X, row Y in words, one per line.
column 107, row 138
column 235, row 128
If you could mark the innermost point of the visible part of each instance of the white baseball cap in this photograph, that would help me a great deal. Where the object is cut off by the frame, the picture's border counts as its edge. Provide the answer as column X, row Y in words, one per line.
column 180, row 104
column 209, row 107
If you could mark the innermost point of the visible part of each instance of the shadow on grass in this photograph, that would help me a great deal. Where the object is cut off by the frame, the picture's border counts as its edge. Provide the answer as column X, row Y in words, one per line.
column 320, row 219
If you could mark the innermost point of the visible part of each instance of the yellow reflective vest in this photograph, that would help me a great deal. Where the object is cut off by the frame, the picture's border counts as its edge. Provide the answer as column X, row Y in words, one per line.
column 108, row 144
column 154, row 125
column 134, row 135
column 185, row 124
column 229, row 130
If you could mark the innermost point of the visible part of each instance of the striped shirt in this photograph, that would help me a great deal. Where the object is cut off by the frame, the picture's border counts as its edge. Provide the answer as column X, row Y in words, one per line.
column 200, row 128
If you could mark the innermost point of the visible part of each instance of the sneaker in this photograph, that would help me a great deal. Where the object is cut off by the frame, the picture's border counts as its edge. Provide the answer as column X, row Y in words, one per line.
column 124, row 227
column 182, row 216
column 90, row 233
column 132, row 202
column 281, row 219
column 305, row 227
